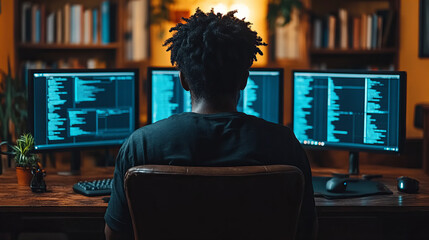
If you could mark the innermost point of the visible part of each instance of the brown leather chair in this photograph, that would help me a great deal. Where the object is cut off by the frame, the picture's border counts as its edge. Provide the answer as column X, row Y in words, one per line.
column 250, row 202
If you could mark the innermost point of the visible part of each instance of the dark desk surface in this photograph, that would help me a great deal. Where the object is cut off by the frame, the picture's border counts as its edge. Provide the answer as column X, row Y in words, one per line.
column 59, row 198
column 60, row 195
column 396, row 202
column 396, row 216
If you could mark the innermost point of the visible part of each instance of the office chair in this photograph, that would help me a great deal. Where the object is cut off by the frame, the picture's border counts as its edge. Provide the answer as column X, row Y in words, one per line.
column 247, row 202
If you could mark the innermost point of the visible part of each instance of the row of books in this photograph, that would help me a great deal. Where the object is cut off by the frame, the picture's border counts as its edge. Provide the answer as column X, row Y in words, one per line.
column 72, row 24
column 137, row 30
column 367, row 31
column 69, row 63
column 367, row 67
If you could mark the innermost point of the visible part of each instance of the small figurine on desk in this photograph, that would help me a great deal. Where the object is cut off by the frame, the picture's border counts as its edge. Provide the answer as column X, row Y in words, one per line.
column 37, row 182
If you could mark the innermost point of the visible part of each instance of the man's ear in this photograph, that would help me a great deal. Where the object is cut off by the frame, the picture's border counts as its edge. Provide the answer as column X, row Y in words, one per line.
column 183, row 81
column 243, row 80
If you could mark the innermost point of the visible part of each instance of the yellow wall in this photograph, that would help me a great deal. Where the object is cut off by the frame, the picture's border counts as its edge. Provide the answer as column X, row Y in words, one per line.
column 417, row 68
column 6, row 34
column 258, row 11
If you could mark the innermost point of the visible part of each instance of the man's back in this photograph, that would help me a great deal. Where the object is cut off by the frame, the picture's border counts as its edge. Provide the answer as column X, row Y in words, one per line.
column 222, row 139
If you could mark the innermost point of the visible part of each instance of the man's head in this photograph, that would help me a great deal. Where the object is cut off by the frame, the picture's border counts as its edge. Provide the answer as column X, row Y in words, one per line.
column 214, row 53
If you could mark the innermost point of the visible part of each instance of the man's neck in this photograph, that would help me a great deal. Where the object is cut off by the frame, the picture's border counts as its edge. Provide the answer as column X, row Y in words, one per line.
column 208, row 107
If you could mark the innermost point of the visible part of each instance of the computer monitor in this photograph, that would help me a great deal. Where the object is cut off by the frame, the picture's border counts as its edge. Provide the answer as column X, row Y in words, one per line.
column 350, row 110
column 262, row 97
column 73, row 109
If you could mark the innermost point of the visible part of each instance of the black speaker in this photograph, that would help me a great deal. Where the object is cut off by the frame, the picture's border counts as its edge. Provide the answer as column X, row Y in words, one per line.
column 418, row 115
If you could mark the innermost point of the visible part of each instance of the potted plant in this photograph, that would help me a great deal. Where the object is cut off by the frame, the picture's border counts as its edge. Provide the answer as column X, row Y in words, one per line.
column 281, row 9
column 25, row 159
column 160, row 13
column 13, row 111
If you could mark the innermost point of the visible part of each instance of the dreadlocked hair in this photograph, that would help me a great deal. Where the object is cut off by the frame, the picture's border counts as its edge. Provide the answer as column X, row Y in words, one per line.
column 213, row 51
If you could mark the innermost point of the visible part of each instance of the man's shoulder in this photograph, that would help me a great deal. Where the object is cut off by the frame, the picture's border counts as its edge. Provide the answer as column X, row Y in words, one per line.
column 188, row 119
column 267, row 125
column 172, row 124
column 190, row 122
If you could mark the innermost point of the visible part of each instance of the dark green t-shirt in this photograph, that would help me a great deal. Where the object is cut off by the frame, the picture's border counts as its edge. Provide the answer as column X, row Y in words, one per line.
column 223, row 139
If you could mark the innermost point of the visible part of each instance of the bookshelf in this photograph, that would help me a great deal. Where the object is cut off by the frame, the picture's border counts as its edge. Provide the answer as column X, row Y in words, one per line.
column 45, row 46
column 99, row 35
column 355, row 34
column 67, row 34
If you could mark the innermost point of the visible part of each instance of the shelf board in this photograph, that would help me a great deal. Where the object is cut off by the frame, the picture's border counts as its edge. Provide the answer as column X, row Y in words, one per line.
column 322, row 51
column 44, row 46
column 136, row 63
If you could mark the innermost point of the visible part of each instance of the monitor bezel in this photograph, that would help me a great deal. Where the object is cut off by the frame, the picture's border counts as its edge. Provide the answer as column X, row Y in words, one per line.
column 402, row 109
column 30, row 107
column 149, row 89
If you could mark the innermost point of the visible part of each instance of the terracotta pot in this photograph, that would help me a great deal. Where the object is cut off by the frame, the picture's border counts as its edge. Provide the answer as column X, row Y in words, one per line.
column 24, row 176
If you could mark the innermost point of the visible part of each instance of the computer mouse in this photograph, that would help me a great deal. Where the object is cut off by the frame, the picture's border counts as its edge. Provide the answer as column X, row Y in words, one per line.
column 407, row 185
column 336, row 185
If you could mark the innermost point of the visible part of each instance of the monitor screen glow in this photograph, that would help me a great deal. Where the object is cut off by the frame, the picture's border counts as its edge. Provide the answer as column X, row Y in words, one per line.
column 82, row 108
column 262, row 97
column 350, row 110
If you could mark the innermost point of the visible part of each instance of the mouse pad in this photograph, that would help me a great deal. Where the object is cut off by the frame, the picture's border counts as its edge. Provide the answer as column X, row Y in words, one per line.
column 355, row 188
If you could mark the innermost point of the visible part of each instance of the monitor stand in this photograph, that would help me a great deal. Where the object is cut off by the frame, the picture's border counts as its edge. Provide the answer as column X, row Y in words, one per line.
column 74, row 165
column 106, row 160
column 354, row 163
column 354, row 169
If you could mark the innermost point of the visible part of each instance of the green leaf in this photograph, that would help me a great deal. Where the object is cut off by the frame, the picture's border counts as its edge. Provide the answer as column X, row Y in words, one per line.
column 22, row 151
column 281, row 9
column 13, row 101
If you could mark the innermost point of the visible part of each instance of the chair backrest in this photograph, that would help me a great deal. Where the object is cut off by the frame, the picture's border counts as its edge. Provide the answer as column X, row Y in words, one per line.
column 247, row 202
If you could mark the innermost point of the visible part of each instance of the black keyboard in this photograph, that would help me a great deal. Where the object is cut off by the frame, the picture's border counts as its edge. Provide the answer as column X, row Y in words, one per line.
column 94, row 188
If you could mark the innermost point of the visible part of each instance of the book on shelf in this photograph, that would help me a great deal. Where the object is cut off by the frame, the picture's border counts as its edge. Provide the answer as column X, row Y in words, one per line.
column 331, row 31
column 42, row 23
column 374, row 30
column 356, row 33
column 76, row 24
column 287, row 38
column 70, row 23
column 364, row 32
column 108, row 22
column 388, row 18
column 59, row 27
column 35, row 27
column 95, row 26
column 344, row 31
column 105, row 22
column 368, row 31
column 50, row 28
column 26, row 22
column 317, row 33
column 67, row 23
column 136, row 31
column 379, row 31
column 87, row 26
column 128, row 32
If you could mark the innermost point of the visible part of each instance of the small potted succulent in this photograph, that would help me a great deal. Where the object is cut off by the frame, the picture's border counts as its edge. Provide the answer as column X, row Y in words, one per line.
column 25, row 159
